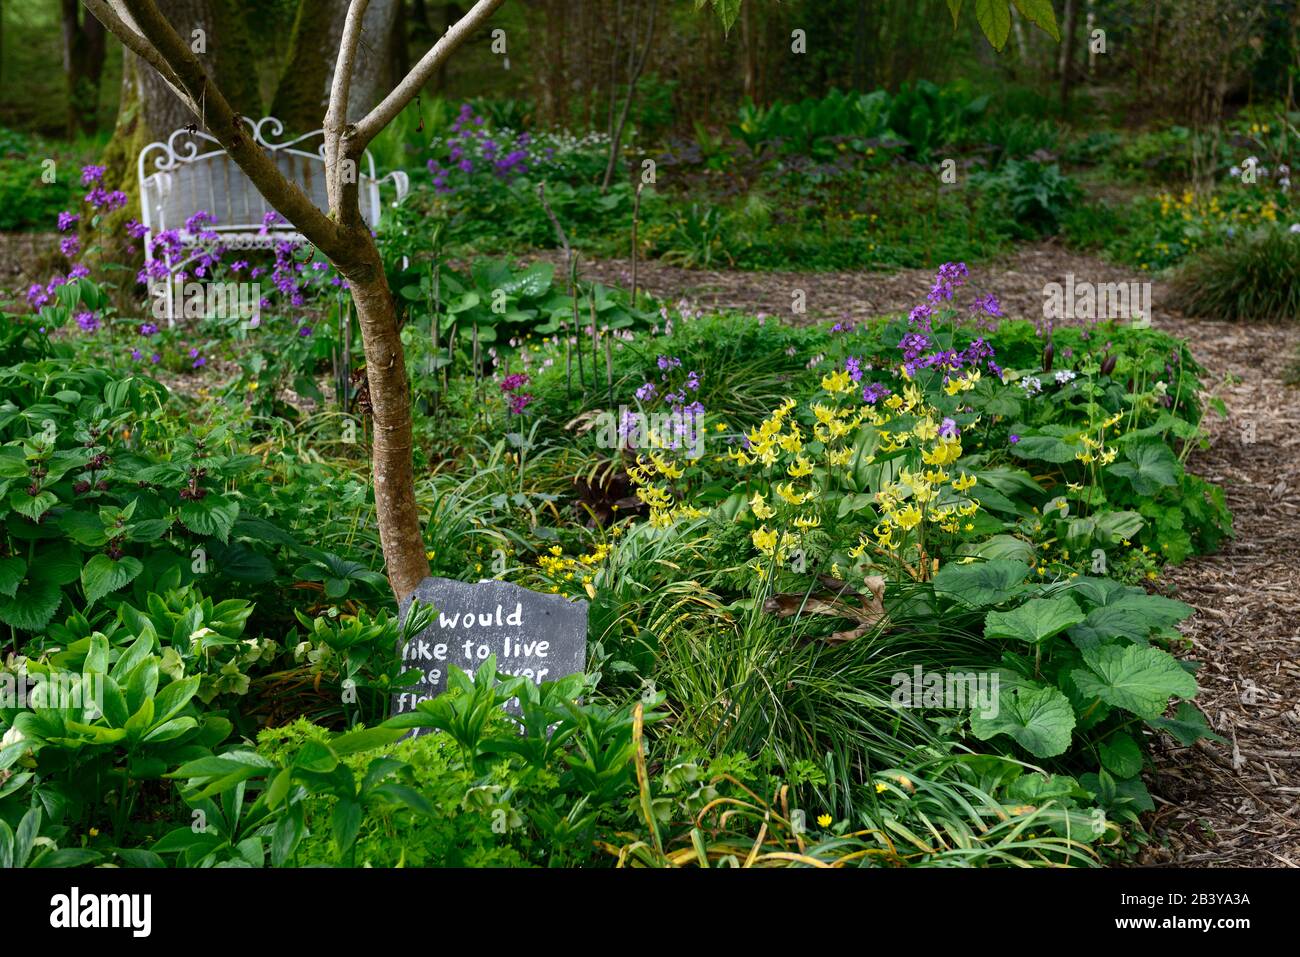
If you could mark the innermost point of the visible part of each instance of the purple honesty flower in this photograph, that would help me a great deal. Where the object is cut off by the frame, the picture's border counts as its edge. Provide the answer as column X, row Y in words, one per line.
column 87, row 321
column 948, row 430
column 37, row 296
column 148, row 329
column 668, row 362
column 853, row 366
column 78, row 271
column 874, row 392
column 646, row 392
column 988, row 304
column 91, row 174
column 135, row 230
column 693, row 381
column 66, row 220
column 1013, row 438
column 69, row 246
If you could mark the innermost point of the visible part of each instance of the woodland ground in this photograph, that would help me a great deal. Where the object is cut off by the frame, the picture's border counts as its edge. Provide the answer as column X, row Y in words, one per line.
column 1232, row 805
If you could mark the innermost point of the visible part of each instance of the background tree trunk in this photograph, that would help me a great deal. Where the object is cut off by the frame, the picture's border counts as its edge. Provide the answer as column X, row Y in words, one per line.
column 84, row 49
column 308, row 70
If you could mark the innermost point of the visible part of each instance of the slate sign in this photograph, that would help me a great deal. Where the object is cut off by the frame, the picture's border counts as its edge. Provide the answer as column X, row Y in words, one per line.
column 541, row 637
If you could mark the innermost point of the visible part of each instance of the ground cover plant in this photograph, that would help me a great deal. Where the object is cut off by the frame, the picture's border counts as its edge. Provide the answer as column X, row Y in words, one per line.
column 889, row 584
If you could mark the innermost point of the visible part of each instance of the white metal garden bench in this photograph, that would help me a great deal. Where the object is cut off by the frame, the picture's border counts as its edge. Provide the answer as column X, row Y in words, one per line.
column 191, row 172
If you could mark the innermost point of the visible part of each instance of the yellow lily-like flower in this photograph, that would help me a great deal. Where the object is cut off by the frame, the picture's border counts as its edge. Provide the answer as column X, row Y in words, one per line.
column 800, row 468
column 908, row 518
column 840, row 456
column 788, row 493
column 758, row 505
column 837, row 382
column 965, row 483
column 764, row 540
column 807, row 521
column 945, row 452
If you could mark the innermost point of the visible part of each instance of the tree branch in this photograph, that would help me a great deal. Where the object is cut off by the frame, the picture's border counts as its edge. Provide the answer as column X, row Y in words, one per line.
column 134, row 41
column 420, row 74
column 212, row 108
column 336, row 116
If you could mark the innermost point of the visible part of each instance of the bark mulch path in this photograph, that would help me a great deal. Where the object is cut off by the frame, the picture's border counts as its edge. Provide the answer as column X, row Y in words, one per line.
column 1230, row 805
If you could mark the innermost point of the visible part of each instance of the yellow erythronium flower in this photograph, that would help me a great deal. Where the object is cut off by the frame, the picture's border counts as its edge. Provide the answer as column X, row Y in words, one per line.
column 800, row 468
column 965, row 483
column 787, row 492
column 908, row 518
column 840, row 456
column 760, row 507
column 808, row 521
column 927, row 430
column 945, row 452
column 837, row 382
column 764, row 540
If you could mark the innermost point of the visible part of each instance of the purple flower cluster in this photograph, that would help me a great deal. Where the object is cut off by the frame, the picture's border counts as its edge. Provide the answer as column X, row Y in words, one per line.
column 469, row 139
column 512, row 385
column 917, row 345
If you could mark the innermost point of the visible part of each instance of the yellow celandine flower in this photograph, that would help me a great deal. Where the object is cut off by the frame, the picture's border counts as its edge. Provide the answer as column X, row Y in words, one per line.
column 824, row 820
column 881, row 787
column 758, row 505
column 965, row 483
column 907, row 518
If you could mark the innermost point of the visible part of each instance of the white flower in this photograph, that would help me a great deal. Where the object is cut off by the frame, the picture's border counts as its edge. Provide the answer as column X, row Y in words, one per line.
column 1234, row 172
column 12, row 736
column 1295, row 228
column 1063, row 376
column 1032, row 385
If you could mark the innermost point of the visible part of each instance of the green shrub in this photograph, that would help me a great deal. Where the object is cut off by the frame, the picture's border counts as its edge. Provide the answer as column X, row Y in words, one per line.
column 1255, row 278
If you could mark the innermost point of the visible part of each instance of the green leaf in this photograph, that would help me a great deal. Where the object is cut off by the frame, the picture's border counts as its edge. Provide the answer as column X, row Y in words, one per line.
column 346, row 823
column 1040, row 719
column 103, row 575
column 954, row 7
column 1187, row 725
column 12, row 571
column 1121, row 756
column 981, row 584
column 1149, row 467
column 210, row 515
column 364, row 740
column 1137, row 679
column 1040, row 14
column 31, row 607
column 33, row 506
column 994, row 17
column 1035, row 621
column 1045, row 448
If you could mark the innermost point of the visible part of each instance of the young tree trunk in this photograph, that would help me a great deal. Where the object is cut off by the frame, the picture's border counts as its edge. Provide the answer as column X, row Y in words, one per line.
column 392, row 470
